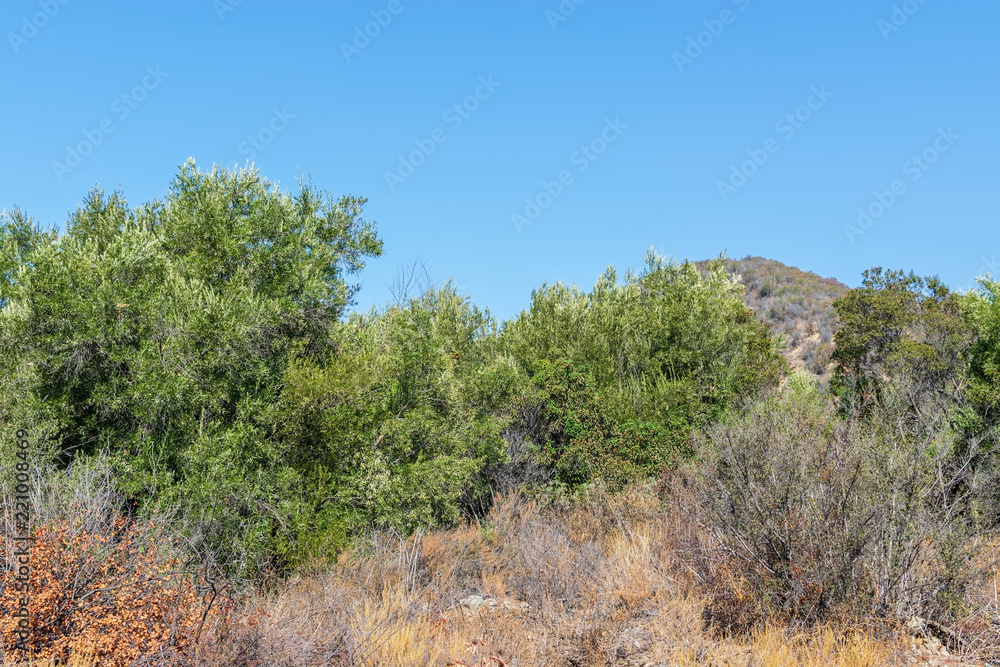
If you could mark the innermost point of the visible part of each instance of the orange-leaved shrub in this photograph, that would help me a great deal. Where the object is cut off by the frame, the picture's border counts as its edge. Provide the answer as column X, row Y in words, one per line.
column 114, row 594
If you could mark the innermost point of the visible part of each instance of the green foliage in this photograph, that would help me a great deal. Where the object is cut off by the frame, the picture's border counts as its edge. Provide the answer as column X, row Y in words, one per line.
column 160, row 336
column 982, row 312
column 900, row 326
column 199, row 344
column 582, row 442
column 400, row 422
column 627, row 372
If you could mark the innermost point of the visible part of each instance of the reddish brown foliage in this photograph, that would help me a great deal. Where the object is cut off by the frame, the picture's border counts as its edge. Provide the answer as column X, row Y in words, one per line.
column 112, row 594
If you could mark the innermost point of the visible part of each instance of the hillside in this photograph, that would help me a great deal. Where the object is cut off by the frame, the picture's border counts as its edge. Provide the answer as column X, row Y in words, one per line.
column 797, row 304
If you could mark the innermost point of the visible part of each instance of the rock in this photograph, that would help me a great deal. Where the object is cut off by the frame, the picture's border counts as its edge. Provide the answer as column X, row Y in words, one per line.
column 489, row 604
column 472, row 602
column 514, row 605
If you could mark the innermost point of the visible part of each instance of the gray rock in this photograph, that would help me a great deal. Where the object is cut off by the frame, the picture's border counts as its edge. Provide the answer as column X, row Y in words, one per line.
column 472, row 602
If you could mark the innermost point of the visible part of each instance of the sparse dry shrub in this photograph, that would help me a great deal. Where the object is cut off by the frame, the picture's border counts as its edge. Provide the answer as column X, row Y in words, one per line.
column 817, row 517
column 563, row 580
column 822, row 358
column 784, row 500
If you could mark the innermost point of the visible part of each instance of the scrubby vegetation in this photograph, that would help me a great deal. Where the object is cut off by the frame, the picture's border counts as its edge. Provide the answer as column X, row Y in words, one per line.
column 226, row 467
column 799, row 307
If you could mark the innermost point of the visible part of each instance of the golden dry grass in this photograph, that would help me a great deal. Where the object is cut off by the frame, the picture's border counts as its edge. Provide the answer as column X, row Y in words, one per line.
column 607, row 582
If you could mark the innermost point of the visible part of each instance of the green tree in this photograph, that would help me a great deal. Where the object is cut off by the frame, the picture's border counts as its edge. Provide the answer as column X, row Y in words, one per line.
column 160, row 336
column 901, row 328
column 656, row 355
column 982, row 312
column 398, row 425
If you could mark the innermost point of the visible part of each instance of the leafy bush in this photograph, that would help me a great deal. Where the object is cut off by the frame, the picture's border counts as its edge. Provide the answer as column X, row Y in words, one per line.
column 399, row 424
column 581, row 442
column 982, row 312
column 624, row 375
column 161, row 335
column 900, row 328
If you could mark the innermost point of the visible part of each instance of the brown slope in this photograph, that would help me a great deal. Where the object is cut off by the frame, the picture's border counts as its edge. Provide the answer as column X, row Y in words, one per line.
column 797, row 304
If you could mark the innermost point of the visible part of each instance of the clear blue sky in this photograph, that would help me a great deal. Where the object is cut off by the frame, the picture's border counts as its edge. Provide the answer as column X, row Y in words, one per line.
column 199, row 78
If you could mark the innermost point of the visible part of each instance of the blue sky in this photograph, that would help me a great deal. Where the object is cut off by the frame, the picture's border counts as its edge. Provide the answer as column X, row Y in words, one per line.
column 742, row 126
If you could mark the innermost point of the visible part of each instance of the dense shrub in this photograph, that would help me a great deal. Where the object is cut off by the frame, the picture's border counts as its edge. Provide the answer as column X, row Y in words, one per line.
column 897, row 328
column 161, row 334
column 399, row 425
column 623, row 375
column 582, row 442
column 982, row 311
column 201, row 341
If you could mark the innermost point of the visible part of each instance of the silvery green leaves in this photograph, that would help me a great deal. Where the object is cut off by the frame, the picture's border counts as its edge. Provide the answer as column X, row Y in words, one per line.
column 160, row 335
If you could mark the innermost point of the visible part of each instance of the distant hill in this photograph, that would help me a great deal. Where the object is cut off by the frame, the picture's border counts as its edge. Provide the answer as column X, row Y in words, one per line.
column 797, row 304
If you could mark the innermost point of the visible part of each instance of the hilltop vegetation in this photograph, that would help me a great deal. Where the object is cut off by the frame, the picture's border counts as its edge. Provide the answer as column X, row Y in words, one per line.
column 798, row 305
column 188, row 366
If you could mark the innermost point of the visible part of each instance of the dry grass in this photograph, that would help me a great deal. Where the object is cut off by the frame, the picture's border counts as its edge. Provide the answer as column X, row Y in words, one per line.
column 607, row 581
